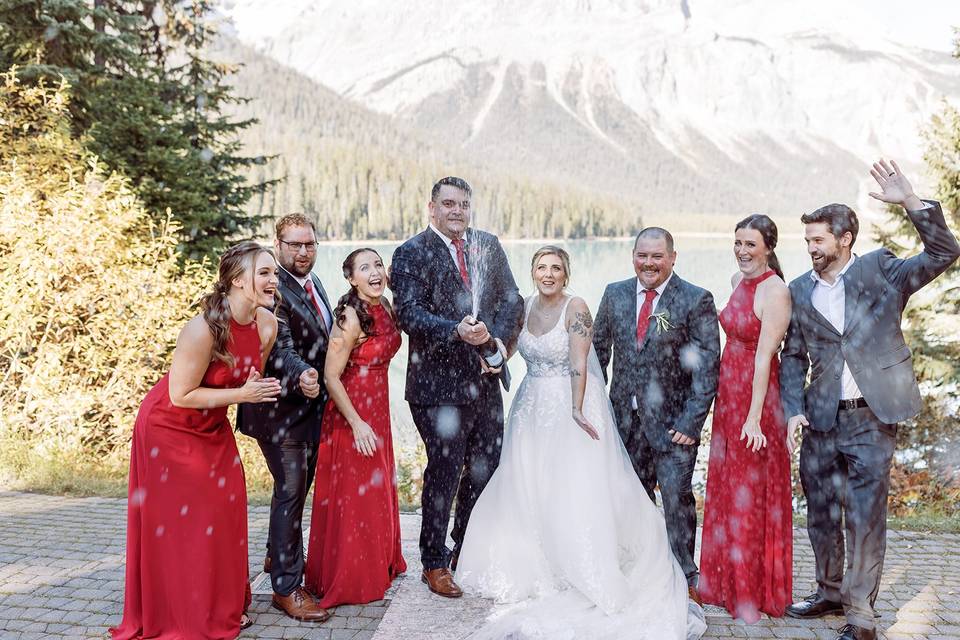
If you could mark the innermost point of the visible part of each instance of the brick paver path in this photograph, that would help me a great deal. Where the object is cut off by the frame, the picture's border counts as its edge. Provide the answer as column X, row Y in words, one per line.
column 61, row 576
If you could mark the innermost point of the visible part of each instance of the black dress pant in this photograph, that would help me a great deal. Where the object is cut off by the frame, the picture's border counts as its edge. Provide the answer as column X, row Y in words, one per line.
column 293, row 466
column 673, row 471
column 463, row 445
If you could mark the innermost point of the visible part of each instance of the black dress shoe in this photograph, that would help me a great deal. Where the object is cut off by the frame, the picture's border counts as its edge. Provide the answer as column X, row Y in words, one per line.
column 813, row 606
column 853, row 632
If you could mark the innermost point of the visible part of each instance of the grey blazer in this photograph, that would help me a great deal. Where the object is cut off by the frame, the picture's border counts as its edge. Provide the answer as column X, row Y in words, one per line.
column 674, row 375
column 877, row 287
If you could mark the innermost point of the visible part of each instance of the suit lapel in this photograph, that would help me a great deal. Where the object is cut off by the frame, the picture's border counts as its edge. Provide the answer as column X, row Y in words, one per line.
column 443, row 258
column 852, row 288
column 318, row 287
column 300, row 294
column 663, row 305
column 809, row 284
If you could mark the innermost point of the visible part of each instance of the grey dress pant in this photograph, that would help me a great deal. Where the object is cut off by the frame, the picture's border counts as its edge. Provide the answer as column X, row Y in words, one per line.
column 845, row 474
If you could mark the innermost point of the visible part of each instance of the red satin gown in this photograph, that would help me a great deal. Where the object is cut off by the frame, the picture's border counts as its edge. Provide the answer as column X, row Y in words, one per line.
column 186, row 575
column 354, row 551
column 746, row 555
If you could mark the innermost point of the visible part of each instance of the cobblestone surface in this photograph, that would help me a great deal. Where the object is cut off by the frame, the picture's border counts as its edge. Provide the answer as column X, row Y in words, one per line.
column 61, row 576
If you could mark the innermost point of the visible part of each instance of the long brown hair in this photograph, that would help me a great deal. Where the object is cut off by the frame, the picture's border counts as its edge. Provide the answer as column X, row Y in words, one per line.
column 216, row 308
column 352, row 298
column 768, row 231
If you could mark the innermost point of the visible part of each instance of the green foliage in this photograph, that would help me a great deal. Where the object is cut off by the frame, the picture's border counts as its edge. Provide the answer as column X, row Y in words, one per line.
column 93, row 289
column 159, row 123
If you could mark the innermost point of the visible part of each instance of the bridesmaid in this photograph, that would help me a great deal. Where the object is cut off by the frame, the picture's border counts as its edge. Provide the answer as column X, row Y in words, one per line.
column 354, row 551
column 186, row 574
column 747, row 549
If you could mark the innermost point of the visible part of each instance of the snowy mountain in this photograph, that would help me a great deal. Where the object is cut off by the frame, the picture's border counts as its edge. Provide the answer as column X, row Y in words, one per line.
column 768, row 105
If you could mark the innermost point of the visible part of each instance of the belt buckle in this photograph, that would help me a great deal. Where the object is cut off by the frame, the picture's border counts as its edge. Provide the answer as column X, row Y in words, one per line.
column 849, row 404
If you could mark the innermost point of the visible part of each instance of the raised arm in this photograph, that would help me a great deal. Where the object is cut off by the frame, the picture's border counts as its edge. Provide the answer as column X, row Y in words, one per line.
column 702, row 353
column 774, row 320
column 191, row 358
column 940, row 247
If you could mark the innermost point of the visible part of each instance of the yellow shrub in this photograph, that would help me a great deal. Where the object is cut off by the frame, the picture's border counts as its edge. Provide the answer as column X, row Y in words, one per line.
column 92, row 296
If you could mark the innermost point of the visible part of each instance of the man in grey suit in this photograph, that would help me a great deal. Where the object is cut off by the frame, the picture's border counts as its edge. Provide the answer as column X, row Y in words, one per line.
column 663, row 335
column 845, row 329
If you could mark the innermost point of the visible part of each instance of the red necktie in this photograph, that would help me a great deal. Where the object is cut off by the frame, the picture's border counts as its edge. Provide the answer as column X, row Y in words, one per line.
column 643, row 320
column 312, row 294
column 462, row 261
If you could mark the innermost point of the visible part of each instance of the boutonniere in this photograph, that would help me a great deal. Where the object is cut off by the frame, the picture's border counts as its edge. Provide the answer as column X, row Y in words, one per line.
column 663, row 321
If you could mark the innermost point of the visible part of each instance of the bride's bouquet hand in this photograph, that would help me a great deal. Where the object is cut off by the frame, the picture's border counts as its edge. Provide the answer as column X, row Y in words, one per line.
column 584, row 424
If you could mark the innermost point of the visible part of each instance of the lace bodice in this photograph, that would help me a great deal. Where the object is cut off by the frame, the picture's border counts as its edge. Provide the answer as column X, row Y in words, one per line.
column 548, row 355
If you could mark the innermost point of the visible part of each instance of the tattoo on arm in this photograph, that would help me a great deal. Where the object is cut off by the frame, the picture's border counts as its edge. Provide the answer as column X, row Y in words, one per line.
column 575, row 373
column 583, row 324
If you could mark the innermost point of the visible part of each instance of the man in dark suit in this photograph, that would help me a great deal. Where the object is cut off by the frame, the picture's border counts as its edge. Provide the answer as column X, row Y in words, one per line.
column 845, row 330
column 664, row 337
column 288, row 432
column 441, row 278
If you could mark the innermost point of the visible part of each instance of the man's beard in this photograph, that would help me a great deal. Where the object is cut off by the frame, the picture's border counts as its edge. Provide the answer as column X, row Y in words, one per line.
column 828, row 259
column 297, row 270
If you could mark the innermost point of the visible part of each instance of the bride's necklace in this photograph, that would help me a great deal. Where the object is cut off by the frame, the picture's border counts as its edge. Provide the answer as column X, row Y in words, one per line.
column 548, row 312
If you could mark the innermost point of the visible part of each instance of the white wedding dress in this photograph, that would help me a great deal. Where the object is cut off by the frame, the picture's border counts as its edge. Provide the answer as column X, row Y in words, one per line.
column 564, row 536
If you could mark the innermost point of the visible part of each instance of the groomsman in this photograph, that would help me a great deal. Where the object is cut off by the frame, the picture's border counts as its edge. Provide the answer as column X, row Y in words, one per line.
column 454, row 396
column 288, row 432
column 845, row 330
column 664, row 338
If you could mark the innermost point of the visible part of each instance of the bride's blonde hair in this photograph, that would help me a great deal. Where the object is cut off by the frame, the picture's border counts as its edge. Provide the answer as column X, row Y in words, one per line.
column 552, row 250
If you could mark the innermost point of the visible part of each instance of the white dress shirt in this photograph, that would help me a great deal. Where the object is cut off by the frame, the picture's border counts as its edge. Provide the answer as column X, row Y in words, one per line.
column 450, row 246
column 656, row 299
column 830, row 301
column 324, row 312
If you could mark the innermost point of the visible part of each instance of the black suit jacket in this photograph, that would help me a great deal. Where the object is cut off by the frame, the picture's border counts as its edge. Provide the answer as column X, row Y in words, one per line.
column 301, row 344
column 431, row 299
column 674, row 375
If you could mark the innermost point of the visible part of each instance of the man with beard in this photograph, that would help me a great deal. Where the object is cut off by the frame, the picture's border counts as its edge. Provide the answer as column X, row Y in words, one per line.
column 288, row 432
column 664, row 337
column 845, row 329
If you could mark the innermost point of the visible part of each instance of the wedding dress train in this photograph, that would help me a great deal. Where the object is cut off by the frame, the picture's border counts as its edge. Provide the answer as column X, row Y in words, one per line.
column 564, row 536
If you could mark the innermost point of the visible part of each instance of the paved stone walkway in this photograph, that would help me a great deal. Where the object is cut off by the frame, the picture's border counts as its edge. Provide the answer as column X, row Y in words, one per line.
column 61, row 576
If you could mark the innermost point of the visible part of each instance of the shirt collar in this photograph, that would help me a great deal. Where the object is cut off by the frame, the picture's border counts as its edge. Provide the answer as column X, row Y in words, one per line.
column 659, row 290
column 447, row 241
column 820, row 281
column 302, row 281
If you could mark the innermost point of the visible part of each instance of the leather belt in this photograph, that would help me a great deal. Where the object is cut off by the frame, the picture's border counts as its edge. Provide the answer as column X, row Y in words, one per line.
column 853, row 403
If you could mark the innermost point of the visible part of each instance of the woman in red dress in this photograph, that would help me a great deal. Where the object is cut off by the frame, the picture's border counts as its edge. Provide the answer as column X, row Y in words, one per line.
column 186, row 575
column 354, row 551
column 746, row 555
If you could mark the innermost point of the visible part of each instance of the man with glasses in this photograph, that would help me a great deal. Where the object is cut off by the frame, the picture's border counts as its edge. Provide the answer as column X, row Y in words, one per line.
column 288, row 431
column 454, row 395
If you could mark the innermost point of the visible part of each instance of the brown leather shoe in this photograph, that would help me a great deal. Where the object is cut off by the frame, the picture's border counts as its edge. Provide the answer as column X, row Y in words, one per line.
column 695, row 595
column 440, row 581
column 267, row 564
column 299, row 605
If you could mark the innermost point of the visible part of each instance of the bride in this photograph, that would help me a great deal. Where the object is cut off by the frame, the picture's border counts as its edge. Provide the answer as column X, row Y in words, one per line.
column 564, row 533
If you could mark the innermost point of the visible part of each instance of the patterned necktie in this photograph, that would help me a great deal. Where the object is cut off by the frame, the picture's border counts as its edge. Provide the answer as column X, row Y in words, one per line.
column 312, row 294
column 643, row 320
column 462, row 261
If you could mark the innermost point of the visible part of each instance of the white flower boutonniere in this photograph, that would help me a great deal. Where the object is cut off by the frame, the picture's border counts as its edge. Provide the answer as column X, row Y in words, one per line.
column 663, row 321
